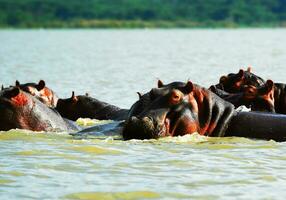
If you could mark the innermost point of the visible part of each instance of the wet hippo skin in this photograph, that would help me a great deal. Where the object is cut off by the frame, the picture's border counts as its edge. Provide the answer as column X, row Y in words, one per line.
column 280, row 97
column 232, row 87
column 40, row 91
column 258, row 125
column 21, row 110
column 259, row 98
column 184, row 108
column 178, row 109
column 83, row 106
column 235, row 82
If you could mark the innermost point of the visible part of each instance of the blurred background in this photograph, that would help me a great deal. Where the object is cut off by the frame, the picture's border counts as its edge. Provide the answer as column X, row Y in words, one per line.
column 142, row 13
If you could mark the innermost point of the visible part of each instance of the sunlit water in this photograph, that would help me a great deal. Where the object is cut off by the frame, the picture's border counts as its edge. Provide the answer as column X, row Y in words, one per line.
column 112, row 65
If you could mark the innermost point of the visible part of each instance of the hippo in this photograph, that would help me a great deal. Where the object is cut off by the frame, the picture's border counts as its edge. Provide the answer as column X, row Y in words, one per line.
column 21, row 110
column 233, row 83
column 259, row 98
column 40, row 91
column 177, row 109
column 236, row 84
column 84, row 106
column 181, row 108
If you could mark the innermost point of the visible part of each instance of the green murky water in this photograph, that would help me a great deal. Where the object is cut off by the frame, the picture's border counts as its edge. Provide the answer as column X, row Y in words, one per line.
column 112, row 65
column 58, row 166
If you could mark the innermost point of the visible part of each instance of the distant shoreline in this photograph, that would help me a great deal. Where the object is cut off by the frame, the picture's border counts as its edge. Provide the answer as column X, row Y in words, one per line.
column 137, row 24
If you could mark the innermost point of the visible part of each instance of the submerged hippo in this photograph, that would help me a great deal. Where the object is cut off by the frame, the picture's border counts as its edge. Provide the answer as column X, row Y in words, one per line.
column 87, row 107
column 21, row 110
column 40, row 91
column 184, row 108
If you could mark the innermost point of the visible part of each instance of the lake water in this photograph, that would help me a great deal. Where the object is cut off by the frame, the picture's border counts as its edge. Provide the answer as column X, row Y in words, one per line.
column 112, row 65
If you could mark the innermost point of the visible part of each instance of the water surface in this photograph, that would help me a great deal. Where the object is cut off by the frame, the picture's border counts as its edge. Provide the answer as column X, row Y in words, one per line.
column 112, row 65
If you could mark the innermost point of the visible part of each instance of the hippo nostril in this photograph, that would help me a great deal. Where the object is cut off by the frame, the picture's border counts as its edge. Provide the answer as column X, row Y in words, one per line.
column 147, row 121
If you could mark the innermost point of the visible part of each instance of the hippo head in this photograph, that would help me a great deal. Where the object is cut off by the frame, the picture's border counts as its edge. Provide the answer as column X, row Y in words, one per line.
column 13, row 96
column 260, row 98
column 20, row 109
column 40, row 91
column 177, row 109
column 70, row 108
column 82, row 106
column 14, row 106
column 236, row 82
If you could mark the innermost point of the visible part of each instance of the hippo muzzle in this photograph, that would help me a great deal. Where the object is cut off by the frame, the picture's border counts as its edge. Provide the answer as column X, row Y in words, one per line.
column 139, row 129
column 147, row 127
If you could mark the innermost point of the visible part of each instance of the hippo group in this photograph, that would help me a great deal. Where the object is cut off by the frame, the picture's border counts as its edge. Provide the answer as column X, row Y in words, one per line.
column 172, row 109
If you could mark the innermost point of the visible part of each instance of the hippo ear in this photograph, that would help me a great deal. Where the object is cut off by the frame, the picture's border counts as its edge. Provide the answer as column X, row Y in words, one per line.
column 86, row 94
column 269, row 83
column 12, row 92
column 41, row 85
column 73, row 97
column 267, row 88
column 17, row 83
column 240, row 73
column 222, row 79
column 140, row 95
column 249, row 69
column 2, row 87
column 160, row 83
column 188, row 87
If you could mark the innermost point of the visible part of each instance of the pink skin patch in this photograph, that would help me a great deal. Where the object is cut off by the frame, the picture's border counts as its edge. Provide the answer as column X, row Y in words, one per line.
column 46, row 92
column 32, row 91
column 46, row 95
column 20, row 100
column 184, row 126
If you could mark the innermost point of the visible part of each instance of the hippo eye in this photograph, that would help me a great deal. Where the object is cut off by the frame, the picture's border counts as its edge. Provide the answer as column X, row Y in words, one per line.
column 250, row 90
column 223, row 79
